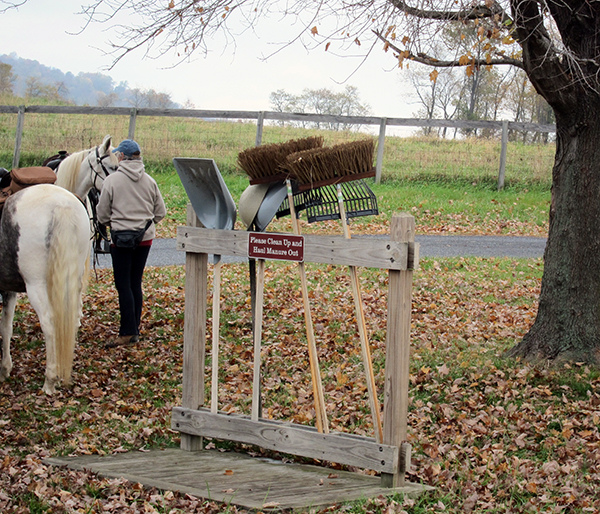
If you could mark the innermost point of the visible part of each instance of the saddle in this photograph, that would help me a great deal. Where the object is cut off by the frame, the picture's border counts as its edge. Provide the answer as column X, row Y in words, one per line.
column 20, row 178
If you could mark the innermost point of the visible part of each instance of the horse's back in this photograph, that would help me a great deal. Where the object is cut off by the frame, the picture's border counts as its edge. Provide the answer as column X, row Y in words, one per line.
column 30, row 220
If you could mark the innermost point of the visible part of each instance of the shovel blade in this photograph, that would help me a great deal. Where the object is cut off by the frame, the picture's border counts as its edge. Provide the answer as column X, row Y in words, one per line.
column 211, row 200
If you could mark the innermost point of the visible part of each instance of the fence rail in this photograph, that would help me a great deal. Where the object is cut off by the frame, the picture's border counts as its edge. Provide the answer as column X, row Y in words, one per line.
column 261, row 116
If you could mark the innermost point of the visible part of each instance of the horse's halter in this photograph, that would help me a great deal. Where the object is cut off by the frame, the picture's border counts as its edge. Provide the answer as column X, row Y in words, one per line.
column 99, row 162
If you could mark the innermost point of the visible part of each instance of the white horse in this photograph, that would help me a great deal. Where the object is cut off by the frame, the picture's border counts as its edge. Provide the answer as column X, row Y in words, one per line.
column 87, row 169
column 44, row 250
column 45, row 243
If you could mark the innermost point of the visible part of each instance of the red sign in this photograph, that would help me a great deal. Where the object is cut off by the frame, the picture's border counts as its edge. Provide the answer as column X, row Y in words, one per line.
column 275, row 246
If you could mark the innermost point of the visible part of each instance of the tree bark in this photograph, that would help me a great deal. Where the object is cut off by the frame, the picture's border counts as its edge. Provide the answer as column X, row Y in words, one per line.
column 568, row 320
column 567, row 326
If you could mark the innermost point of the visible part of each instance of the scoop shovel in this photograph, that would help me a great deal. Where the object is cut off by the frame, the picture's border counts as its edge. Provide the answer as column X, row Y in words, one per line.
column 214, row 206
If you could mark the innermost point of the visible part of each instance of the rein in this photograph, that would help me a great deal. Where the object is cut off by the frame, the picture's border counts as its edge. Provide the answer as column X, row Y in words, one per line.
column 99, row 235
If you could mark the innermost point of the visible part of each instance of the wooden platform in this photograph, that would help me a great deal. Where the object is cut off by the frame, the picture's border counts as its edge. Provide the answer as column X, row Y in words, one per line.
column 250, row 482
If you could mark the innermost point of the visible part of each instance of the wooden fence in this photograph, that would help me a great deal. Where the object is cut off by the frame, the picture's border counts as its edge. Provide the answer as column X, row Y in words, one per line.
column 262, row 116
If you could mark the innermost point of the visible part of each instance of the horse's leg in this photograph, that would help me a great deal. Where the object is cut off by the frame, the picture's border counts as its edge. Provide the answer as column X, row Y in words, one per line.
column 9, row 301
column 39, row 300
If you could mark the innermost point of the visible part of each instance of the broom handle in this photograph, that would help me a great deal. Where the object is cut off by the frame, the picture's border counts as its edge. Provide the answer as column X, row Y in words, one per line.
column 362, row 330
column 216, row 314
column 321, row 413
column 258, row 317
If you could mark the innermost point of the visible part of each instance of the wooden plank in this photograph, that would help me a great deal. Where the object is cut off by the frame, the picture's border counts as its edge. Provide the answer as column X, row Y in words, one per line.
column 252, row 482
column 288, row 438
column 325, row 249
column 9, row 109
column 194, row 333
column 280, row 116
column 398, row 348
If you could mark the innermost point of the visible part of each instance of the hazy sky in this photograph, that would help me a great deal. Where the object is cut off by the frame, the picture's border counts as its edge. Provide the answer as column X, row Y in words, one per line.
column 40, row 30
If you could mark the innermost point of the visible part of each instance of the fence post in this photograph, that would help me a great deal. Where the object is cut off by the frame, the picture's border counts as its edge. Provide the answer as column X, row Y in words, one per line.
column 259, row 128
column 380, row 144
column 132, row 120
column 502, row 170
column 18, row 136
column 397, row 356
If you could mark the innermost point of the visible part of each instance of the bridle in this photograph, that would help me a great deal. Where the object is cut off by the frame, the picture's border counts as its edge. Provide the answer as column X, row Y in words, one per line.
column 94, row 172
column 94, row 195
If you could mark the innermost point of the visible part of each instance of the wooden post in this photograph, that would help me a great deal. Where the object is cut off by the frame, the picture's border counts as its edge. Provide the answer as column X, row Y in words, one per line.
column 259, row 128
column 194, row 332
column 257, row 333
column 380, row 145
column 502, row 170
column 18, row 136
column 131, row 131
column 398, row 347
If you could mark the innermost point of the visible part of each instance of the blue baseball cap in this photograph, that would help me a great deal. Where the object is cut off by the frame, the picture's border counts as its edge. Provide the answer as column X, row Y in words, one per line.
column 128, row 147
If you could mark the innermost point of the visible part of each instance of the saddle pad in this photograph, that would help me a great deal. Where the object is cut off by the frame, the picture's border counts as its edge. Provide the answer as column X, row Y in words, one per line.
column 23, row 177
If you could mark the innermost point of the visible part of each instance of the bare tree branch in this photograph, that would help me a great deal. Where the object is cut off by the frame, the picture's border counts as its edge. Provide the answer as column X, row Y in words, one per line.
column 473, row 12
column 432, row 61
column 6, row 5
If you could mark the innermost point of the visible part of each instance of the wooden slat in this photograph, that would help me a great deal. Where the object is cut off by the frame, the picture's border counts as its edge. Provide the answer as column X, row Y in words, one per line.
column 252, row 482
column 289, row 438
column 325, row 249
column 280, row 116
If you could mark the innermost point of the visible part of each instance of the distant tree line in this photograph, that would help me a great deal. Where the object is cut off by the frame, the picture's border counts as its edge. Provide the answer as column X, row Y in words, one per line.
column 320, row 101
column 29, row 79
column 476, row 92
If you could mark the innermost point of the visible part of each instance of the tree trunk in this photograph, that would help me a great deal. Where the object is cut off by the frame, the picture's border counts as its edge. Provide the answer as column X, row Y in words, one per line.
column 568, row 320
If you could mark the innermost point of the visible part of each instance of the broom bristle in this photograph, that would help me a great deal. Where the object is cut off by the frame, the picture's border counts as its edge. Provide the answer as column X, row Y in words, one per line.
column 266, row 160
column 327, row 163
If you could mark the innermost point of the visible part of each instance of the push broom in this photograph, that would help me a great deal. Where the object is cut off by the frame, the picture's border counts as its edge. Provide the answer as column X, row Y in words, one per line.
column 321, row 168
column 263, row 164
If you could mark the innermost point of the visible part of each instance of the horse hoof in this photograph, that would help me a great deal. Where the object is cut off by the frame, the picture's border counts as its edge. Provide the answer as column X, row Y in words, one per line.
column 49, row 387
column 4, row 374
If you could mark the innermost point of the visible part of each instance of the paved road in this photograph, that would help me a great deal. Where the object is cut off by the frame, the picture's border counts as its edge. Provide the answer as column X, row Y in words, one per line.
column 163, row 252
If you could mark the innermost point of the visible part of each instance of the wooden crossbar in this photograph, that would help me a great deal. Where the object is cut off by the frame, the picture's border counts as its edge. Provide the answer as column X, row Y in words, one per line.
column 300, row 440
column 366, row 252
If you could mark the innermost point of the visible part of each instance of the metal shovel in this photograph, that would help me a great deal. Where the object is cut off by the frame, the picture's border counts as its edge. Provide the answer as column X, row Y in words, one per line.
column 214, row 206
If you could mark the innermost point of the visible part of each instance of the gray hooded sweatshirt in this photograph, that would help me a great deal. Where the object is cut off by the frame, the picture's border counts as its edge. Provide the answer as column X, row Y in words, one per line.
column 130, row 197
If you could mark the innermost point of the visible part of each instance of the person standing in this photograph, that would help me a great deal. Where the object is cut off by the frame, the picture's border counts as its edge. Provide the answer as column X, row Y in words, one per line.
column 130, row 200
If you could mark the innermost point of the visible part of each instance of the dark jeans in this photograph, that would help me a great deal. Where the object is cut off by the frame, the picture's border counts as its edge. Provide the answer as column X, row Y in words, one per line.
column 128, row 270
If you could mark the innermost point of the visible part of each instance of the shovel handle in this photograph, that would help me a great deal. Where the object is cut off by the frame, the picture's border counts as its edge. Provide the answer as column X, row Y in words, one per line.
column 216, row 314
column 362, row 331
column 320, row 412
column 258, row 317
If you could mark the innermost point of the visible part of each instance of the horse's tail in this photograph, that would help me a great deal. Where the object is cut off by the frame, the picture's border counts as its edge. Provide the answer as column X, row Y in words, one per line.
column 66, row 279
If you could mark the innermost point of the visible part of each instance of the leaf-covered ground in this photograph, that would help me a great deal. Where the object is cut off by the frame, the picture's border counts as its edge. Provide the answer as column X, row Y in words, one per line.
column 490, row 434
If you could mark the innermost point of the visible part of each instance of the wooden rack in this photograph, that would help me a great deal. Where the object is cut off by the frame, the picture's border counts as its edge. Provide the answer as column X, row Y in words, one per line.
column 399, row 255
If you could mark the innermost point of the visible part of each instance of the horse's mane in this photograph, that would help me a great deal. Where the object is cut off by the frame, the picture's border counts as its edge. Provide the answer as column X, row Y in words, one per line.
column 68, row 171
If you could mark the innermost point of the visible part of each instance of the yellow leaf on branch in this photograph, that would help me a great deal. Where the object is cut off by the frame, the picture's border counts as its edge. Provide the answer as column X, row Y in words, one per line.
column 314, row 31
